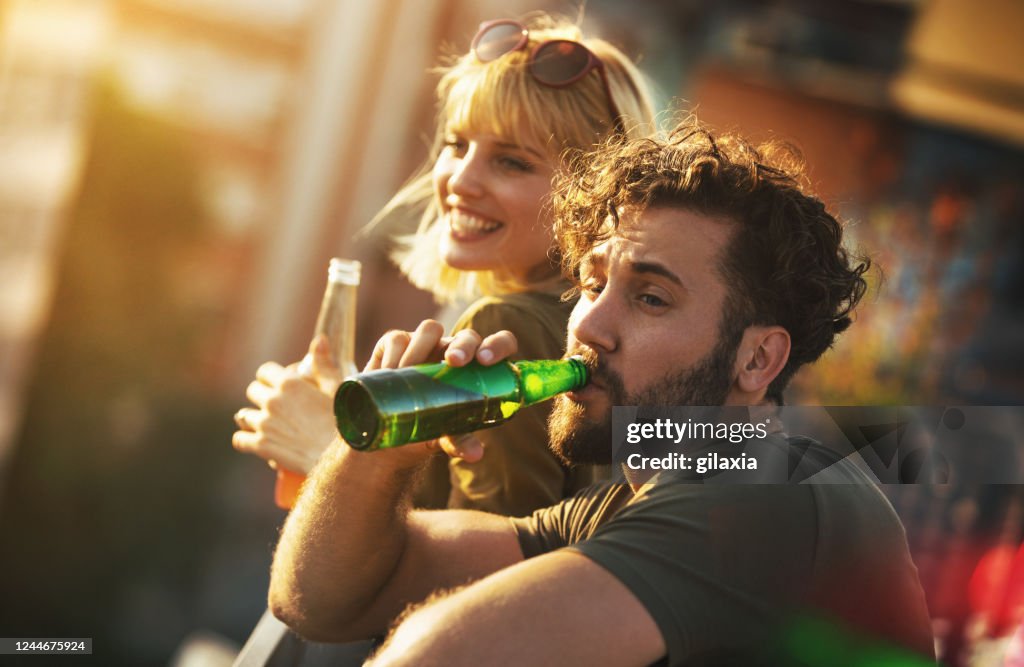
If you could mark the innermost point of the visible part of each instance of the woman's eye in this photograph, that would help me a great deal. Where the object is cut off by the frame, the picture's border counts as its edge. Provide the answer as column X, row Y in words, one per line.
column 515, row 164
column 455, row 143
column 591, row 289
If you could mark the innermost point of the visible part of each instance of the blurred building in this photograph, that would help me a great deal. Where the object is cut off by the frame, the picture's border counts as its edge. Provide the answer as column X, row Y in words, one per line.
column 50, row 52
column 228, row 76
column 966, row 77
column 304, row 116
column 218, row 70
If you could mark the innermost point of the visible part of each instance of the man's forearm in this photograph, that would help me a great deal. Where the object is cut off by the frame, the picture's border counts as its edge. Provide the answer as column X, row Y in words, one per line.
column 343, row 540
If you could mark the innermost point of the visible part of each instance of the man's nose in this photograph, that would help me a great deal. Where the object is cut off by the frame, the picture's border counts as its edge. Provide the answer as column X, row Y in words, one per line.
column 595, row 323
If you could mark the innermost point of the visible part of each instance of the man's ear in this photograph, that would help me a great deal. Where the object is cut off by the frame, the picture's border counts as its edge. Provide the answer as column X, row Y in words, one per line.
column 761, row 356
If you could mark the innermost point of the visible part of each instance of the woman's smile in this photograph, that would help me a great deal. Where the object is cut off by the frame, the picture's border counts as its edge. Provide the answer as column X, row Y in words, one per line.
column 468, row 227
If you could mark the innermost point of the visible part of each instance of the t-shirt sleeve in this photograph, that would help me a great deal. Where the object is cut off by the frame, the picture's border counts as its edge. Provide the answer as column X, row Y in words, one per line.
column 541, row 532
column 518, row 473
column 568, row 521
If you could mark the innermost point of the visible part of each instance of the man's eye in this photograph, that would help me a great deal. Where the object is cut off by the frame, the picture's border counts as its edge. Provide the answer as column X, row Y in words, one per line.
column 591, row 289
column 652, row 300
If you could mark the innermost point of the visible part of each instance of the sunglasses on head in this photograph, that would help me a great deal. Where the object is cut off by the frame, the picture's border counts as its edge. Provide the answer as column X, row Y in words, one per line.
column 555, row 63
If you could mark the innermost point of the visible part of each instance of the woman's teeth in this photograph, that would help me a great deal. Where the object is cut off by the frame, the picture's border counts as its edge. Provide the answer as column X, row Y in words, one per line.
column 462, row 223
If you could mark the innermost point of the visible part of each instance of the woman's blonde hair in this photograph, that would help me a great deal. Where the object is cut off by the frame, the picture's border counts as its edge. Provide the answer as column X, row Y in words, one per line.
column 501, row 97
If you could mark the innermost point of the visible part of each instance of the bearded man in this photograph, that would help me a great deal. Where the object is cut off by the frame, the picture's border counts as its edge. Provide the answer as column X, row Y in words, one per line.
column 706, row 276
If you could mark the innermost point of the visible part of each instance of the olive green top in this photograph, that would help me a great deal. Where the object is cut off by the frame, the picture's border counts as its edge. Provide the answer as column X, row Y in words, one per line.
column 518, row 473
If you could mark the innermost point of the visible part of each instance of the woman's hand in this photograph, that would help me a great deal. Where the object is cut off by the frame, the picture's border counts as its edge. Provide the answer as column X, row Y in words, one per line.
column 293, row 421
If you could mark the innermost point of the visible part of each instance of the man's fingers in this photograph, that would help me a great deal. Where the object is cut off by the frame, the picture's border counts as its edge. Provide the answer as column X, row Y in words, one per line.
column 496, row 347
column 389, row 350
column 373, row 363
column 424, row 343
column 467, row 345
column 395, row 345
column 403, row 348
column 467, row 447
column 462, row 348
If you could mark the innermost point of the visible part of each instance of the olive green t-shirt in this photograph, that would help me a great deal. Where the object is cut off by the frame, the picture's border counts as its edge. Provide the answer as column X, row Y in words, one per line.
column 814, row 574
column 518, row 472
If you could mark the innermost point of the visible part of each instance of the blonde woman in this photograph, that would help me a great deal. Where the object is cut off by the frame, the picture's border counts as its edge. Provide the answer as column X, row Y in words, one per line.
column 509, row 109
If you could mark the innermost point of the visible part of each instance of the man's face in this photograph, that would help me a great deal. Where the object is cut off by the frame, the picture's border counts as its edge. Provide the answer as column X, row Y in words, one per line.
column 647, row 322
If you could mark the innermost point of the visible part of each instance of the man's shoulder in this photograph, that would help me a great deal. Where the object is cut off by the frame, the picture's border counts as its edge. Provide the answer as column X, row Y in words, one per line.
column 591, row 507
column 832, row 547
column 803, row 495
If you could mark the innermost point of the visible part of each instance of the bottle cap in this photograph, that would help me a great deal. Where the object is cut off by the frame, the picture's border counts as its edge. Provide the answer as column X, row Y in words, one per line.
column 344, row 271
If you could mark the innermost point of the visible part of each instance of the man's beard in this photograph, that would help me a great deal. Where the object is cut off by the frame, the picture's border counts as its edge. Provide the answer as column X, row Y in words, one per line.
column 577, row 440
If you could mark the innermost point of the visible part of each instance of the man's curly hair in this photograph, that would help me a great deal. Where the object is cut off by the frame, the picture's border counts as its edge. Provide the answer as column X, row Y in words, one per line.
column 784, row 265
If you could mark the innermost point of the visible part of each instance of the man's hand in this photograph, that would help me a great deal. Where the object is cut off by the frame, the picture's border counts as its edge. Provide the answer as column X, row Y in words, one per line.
column 397, row 349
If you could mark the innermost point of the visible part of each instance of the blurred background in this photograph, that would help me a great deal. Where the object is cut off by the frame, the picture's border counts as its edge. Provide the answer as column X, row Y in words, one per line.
column 175, row 175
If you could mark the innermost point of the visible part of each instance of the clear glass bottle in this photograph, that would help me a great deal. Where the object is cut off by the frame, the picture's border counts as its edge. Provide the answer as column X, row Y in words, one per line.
column 337, row 320
column 393, row 407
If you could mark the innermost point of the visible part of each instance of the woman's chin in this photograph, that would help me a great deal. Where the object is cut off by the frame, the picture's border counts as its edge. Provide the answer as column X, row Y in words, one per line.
column 474, row 256
column 466, row 262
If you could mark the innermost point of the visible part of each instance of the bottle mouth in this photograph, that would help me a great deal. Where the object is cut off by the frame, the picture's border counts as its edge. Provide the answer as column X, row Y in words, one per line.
column 344, row 271
column 356, row 415
column 588, row 370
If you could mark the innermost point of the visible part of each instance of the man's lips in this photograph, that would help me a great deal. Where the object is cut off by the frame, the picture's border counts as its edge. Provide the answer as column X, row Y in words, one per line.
column 593, row 388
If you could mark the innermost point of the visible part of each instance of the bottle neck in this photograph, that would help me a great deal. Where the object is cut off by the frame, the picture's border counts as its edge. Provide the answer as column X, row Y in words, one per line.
column 544, row 379
column 337, row 320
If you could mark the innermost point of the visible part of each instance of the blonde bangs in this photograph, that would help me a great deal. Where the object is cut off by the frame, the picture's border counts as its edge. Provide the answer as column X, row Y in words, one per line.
column 502, row 98
column 495, row 99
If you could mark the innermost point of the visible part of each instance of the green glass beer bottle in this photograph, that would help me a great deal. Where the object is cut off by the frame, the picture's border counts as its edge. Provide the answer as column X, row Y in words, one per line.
column 392, row 407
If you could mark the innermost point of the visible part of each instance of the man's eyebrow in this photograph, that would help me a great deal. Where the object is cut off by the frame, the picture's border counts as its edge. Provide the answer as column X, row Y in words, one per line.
column 657, row 269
